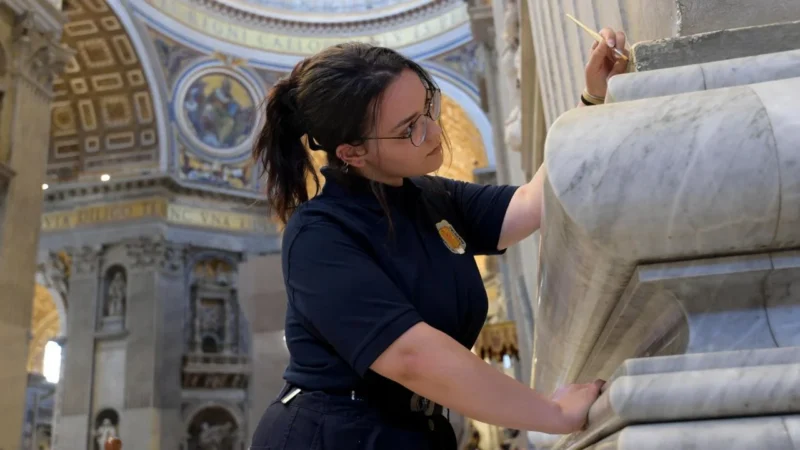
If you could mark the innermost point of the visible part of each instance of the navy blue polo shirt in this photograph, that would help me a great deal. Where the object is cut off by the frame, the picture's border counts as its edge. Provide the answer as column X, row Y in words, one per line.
column 354, row 286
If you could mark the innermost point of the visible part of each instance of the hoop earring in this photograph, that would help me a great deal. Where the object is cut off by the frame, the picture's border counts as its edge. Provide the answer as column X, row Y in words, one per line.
column 346, row 168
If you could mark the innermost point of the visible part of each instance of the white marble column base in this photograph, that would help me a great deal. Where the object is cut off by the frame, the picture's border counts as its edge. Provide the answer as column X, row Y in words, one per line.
column 762, row 433
column 731, row 385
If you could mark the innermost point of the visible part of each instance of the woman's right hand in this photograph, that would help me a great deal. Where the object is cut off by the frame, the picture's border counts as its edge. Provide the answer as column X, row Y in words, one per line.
column 575, row 401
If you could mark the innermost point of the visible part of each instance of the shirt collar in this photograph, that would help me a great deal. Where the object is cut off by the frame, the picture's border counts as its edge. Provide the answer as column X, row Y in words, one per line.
column 340, row 184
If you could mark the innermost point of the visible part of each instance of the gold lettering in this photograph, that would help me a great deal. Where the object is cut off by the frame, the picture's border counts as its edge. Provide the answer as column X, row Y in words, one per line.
column 256, row 38
column 56, row 221
column 156, row 207
column 192, row 18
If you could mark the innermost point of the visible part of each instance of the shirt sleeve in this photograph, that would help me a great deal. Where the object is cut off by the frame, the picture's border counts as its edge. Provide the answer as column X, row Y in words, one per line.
column 344, row 295
column 483, row 209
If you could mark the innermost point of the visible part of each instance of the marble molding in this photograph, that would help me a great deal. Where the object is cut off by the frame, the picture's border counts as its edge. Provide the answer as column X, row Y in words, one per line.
column 776, row 432
column 700, row 77
column 684, row 177
column 687, row 387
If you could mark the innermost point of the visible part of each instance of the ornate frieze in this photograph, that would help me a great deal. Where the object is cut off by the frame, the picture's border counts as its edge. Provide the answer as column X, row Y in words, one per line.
column 427, row 24
column 358, row 23
column 84, row 261
column 149, row 253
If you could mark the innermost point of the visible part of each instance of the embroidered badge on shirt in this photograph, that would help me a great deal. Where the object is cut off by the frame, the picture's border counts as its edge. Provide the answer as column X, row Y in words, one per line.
column 451, row 239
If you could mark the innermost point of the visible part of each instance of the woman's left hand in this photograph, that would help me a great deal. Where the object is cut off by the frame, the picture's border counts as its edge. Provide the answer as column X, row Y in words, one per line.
column 604, row 62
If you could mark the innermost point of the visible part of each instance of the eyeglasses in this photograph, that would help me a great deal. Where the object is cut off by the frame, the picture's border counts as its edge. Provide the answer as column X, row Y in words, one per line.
column 418, row 129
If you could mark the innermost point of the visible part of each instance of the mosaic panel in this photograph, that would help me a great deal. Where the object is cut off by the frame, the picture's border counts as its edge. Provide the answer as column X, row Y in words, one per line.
column 102, row 114
column 215, row 101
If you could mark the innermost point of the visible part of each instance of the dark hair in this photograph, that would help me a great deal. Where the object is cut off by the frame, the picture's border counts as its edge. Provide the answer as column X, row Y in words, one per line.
column 330, row 98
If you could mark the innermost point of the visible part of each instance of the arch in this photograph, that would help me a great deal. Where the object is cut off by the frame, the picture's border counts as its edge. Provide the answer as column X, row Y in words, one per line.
column 43, row 279
column 144, row 48
column 192, row 412
column 472, row 109
column 217, row 422
column 45, row 326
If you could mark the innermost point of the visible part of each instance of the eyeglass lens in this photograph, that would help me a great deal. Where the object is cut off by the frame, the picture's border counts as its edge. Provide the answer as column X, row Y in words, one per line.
column 420, row 128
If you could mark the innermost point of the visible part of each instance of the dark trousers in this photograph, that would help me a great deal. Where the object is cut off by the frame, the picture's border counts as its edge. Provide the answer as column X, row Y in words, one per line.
column 320, row 421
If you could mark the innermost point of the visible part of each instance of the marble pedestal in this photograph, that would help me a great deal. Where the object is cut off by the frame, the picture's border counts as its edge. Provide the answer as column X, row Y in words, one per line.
column 726, row 390
column 670, row 265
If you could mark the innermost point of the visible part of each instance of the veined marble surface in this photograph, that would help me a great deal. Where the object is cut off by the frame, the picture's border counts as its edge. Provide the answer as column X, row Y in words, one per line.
column 683, row 177
column 700, row 306
column 700, row 77
column 761, row 433
column 691, row 395
column 706, row 361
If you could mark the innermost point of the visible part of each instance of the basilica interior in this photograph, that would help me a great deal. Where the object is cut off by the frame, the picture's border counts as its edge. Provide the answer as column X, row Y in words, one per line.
column 141, row 294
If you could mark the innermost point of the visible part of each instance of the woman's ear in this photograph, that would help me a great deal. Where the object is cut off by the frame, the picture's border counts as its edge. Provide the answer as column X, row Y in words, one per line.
column 352, row 155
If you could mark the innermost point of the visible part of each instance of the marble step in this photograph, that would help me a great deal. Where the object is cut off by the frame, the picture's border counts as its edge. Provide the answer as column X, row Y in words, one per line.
column 693, row 387
column 715, row 46
column 761, row 433
column 702, row 77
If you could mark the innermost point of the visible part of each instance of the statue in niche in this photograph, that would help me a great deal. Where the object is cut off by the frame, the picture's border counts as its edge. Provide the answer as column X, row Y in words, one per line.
column 215, row 437
column 104, row 432
column 115, row 298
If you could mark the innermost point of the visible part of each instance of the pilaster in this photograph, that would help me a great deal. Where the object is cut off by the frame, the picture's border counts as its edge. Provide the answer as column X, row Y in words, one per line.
column 155, row 340
column 77, row 380
column 33, row 57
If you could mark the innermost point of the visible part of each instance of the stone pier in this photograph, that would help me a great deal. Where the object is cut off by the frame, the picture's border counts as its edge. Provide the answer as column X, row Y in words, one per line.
column 670, row 266
column 670, row 249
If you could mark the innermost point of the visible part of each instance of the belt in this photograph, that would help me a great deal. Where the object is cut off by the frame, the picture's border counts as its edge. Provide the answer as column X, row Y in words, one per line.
column 420, row 413
column 417, row 404
column 291, row 391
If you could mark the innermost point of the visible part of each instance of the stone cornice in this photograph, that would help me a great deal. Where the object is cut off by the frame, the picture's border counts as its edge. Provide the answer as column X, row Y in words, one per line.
column 47, row 17
column 37, row 54
column 314, row 14
column 302, row 28
column 79, row 192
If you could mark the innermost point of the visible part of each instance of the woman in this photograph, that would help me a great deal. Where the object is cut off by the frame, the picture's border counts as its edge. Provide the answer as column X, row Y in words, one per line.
column 384, row 297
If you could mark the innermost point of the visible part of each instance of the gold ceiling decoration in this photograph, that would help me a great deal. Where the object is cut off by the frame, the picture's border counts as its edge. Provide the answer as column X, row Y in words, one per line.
column 44, row 327
column 102, row 114
column 467, row 152
column 306, row 33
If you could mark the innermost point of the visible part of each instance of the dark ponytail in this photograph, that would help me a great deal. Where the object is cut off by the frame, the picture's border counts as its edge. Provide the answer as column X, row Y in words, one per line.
column 283, row 155
column 330, row 99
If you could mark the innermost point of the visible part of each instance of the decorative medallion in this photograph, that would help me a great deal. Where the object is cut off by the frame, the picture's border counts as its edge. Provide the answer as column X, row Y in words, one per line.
column 216, row 108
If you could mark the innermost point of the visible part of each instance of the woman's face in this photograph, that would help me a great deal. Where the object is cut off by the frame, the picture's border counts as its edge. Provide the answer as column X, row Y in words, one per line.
column 388, row 160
